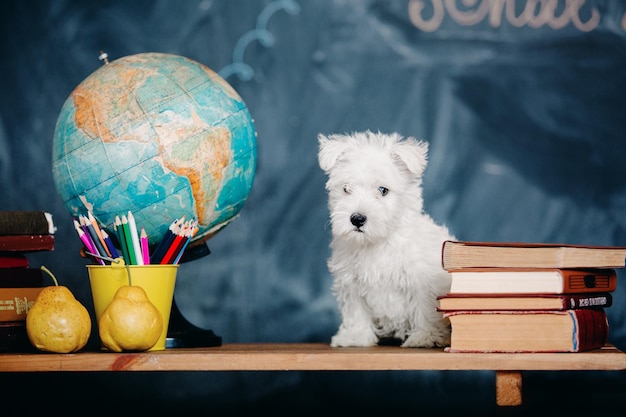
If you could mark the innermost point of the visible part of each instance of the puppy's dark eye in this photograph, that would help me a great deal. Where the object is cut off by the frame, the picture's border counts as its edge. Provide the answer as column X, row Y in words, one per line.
column 383, row 191
column 346, row 189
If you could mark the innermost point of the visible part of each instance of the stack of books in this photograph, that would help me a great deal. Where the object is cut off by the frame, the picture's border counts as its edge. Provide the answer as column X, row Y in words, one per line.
column 529, row 297
column 21, row 233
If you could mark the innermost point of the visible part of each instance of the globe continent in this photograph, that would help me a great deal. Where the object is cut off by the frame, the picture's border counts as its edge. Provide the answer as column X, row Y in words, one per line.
column 157, row 134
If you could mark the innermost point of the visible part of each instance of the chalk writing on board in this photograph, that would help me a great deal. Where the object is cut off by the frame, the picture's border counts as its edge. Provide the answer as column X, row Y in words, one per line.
column 428, row 15
column 259, row 33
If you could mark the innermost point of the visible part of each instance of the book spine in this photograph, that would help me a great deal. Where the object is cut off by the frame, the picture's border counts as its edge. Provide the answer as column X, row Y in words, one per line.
column 602, row 280
column 26, row 223
column 512, row 301
column 13, row 260
column 15, row 302
column 587, row 301
column 26, row 243
column 592, row 329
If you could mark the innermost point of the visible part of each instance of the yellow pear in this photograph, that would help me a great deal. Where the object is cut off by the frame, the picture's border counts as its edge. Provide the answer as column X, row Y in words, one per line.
column 130, row 322
column 57, row 321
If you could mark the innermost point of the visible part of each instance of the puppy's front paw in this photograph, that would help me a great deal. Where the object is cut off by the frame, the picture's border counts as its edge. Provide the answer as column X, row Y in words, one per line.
column 425, row 340
column 354, row 338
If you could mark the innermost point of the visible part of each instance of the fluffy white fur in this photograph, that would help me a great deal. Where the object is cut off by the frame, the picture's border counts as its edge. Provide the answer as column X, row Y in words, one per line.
column 386, row 252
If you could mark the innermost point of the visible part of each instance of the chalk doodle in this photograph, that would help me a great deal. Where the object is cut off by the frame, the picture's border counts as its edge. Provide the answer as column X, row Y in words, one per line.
column 428, row 15
column 260, row 34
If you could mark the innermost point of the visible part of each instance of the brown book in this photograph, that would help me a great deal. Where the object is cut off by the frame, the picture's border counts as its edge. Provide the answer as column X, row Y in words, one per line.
column 532, row 280
column 13, row 260
column 26, row 222
column 465, row 254
column 451, row 302
column 21, row 277
column 15, row 302
column 26, row 243
column 528, row 330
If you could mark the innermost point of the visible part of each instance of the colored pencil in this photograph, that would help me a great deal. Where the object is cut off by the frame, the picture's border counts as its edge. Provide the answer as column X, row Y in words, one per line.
column 176, row 244
column 193, row 230
column 96, row 228
column 162, row 247
column 88, row 227
column 122, row 240
column 86, row 241
column 110, row 245
column 134, row 235
column 84, row 228
column 145, row 252
column 129, row 241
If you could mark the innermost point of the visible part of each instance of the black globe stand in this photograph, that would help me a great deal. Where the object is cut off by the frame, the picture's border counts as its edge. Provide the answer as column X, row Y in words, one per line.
column 181, row 333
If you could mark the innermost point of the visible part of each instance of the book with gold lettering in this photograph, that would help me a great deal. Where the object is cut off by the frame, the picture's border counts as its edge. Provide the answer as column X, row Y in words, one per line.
column 475, row 302
column 15, row 302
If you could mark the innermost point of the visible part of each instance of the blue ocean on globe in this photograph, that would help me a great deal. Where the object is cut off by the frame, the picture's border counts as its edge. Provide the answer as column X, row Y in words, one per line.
column 160, row 135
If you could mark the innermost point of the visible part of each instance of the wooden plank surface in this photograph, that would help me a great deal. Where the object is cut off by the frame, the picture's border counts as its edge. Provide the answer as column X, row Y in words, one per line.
column 309, row 356
column 508, row 388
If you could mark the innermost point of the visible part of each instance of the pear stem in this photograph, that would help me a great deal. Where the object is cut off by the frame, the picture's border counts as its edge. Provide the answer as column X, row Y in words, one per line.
column 47, row 271
column 130, row 281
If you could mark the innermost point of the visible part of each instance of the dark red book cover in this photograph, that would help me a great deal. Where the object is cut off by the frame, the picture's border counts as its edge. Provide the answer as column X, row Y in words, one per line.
column 26, row 243
column 13, row 260
column 594, row 329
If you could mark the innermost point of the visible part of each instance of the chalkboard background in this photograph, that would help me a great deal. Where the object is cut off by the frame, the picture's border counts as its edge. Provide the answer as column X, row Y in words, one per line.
column 523, row 109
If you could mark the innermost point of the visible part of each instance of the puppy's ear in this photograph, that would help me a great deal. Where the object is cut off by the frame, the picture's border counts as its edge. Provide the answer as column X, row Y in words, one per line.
column 330, row 149
column 413, row 153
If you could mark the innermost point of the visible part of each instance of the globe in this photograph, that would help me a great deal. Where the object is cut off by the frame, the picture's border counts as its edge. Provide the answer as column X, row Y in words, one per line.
column 159, row 135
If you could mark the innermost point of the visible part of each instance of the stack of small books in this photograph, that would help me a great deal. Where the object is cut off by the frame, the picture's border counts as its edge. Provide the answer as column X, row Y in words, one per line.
column 21, row 233
column 529, row 297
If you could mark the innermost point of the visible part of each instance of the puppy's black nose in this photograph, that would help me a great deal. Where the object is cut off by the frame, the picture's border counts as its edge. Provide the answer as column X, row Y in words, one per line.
column 358, row 219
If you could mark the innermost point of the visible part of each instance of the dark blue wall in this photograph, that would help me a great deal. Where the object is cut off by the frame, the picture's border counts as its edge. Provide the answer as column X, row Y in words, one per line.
column 525, row 115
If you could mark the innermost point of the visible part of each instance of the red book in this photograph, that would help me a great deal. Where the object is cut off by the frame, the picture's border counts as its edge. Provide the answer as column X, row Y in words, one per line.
column 13, row 260
column 26, row 243
column 528, row 330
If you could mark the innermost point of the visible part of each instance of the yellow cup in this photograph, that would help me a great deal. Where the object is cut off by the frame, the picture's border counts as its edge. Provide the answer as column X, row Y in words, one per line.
column 158, row 282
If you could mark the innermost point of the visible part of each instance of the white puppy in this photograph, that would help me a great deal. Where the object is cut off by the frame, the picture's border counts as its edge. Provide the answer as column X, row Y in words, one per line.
column 386, row 252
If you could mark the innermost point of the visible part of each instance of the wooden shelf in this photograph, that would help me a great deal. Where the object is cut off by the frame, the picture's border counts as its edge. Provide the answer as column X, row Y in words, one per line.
column 309, row 357
column 321, row 357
